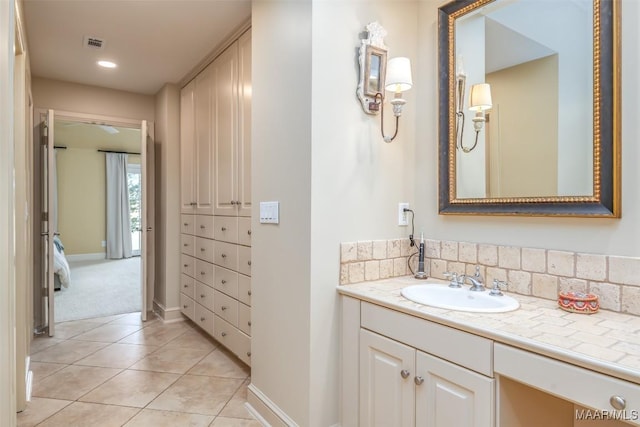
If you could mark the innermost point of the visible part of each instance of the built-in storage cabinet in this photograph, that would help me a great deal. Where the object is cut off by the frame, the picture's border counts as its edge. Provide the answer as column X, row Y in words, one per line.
column 216, row 198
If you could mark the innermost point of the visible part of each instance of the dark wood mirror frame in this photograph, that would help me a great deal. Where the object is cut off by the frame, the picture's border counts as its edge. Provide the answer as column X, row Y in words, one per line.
column 606, row 198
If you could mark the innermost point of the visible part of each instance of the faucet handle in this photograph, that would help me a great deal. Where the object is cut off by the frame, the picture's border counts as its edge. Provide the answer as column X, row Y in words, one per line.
column 495, row 289
column 455, row 281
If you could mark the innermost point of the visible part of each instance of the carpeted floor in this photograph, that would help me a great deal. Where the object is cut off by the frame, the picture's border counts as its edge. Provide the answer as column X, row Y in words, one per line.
column 100, row 288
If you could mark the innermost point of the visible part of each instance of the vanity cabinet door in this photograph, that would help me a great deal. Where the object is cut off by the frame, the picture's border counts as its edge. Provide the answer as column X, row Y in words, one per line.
column 449, row 395
column 387, row 389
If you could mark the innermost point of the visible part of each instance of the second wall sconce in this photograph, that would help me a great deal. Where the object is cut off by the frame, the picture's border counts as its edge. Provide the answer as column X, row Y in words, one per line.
column 479, row 102
column 377, row 76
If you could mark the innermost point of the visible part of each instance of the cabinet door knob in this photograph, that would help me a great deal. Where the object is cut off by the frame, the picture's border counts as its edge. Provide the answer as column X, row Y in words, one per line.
column 223, row 308
column 224, row 334
column 249, row 293
column 202, row 273
column 249, row 232
column 202, row 295
column 249, row 324
column 202, row 249
column 202, row 319
column 223, row 281
column 618, row 402
column 249, row 262
column 185, row 245
column 223, row 255
column 202, row 227
column 418, row 380
column 233, row 202
column 248, row 354
column 184, row 306
column 404, row 373
column 185, row 286
column 185, row 265
column 224, row 228
column 194, row 203
column 186, row 224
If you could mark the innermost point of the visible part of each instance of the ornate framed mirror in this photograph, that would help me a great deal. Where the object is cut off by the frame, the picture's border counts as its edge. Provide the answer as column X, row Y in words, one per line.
column 541, row 135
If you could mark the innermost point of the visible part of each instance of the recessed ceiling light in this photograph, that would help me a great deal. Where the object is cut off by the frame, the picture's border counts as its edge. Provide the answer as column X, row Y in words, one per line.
column 107, row 64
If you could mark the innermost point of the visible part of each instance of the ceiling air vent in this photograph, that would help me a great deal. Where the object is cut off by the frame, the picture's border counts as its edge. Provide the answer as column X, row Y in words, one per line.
column 94, row 42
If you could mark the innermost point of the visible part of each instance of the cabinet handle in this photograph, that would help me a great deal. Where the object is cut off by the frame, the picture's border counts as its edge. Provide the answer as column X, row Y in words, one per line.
column 201, row 249
column 185, row 265
column 224, row 334
column 249, row 323
column 223, row 281
column 223, row 308
column 233, row 202
column 185, row 306
column 186, row 224
column 202, row 319
column 404, row 373
column 418, row 380
column 224, row 228
column 249, row 292
column 194, row 203
column 202, row 296
column 185, row 244
column 249, row 232
column 202, row 273
column 238, row 202
column 249, row 262
column 202, row 227
column 223, row 255
column 248, row 354
column 185, row 286
column 618, row 402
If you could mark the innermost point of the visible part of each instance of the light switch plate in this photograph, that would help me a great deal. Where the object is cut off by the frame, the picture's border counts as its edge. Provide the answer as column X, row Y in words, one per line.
column 269, row 212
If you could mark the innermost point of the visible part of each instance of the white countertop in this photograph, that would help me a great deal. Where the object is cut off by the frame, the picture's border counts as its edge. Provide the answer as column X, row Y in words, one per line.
column 606, row 341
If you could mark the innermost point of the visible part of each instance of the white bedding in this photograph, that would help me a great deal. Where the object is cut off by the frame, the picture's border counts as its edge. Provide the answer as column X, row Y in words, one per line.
column 60, row 264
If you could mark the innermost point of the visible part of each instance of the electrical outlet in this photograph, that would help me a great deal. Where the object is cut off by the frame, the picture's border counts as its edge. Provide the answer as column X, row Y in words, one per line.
column 403, row 217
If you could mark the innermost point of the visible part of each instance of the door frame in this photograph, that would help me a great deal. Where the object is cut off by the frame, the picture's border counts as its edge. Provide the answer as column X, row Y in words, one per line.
column 91, row 119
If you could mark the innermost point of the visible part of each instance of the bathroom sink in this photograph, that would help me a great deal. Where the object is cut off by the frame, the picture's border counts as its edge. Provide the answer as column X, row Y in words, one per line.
column 461, row 299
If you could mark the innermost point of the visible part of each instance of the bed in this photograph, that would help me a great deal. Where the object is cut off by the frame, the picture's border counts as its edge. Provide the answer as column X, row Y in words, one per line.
column 61, row 270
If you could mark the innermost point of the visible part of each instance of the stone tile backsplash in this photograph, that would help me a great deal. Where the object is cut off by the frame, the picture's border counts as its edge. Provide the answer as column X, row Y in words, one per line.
column 528, row 271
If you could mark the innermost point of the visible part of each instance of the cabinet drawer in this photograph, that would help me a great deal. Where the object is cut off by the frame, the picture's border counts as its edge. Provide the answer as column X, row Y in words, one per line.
column 232, row 338
column 579, row 385
column 226, row 307
column 204, row 296
column 204, row 249
column 188, row 224
column 226, row 281
column 438, row 340
column 244, row 260
column 204, row 272
column 226, row 255
column 187, row 265
column 226, row 229
column 187, row 244
column 187, row 306
column 244, row 231
column 244, row 318
column 244, row 289
column 187, row 286
column 204, row 226
column 204, row 319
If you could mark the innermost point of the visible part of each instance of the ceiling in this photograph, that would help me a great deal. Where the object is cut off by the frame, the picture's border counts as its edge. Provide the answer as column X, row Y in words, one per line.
column 153, row 41
column 74, row 134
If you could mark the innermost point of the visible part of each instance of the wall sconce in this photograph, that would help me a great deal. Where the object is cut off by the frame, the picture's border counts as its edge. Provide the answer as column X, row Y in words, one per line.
column 479, row 102
column 398, row 81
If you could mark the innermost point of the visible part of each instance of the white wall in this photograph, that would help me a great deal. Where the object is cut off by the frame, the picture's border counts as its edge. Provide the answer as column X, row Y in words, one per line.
column 601, row 236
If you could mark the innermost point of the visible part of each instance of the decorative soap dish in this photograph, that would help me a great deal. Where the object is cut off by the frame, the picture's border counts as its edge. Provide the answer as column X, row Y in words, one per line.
column 578, row 302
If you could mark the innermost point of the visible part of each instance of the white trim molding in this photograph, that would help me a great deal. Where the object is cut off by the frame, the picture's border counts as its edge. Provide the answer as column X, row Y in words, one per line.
column 86, row 257
column 265, row 411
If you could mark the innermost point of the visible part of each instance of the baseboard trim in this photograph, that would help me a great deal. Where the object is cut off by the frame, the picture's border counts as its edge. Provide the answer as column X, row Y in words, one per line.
column 86, row 257
column 265, row 411
column 172, row 314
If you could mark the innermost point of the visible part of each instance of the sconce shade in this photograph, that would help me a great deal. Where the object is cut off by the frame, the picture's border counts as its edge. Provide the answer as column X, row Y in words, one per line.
column 480, row 97
column 399, row 74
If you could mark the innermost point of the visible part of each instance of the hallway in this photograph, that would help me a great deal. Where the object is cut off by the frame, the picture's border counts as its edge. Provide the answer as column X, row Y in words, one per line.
column 116, row 371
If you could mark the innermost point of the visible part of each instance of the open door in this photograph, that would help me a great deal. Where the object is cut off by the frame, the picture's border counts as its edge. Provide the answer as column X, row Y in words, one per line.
column 48, row 220
column 147, row 256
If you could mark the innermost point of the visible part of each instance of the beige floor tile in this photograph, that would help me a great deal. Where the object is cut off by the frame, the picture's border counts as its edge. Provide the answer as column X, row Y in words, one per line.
column 131, row 388
column 43, row 342
column 43, row 369
column 234, row 422
column 66, row 330
column 117, row 355
column 235, row 407
column 135, row 319
column 197, row 394
column 193, row 338
column 221, row 363
column 67, row 351
column 105, row 319
column 157, row 334
column 153, row 418
column 80, row 414
column 108, row 333
column 72, row 382
column 171, row 359
column 39, row 409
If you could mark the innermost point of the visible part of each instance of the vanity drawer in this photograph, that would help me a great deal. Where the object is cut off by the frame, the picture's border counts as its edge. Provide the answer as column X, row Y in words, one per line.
column 232, row 338
column 204, row 319
column 204, row 296
column 226, row 307
column 187, row 307
column 226, row 229
column 187, row 286
column 244, row 260
column 226, row 255
column 442, row 341
column 244, row 231
column 188, row 224
column 187, row 244
column 204, row 249
column 244, row 289
column 579, row 385
column 244, row 318
column 187, row 265
column 204, row 272
column 204, row 226
column 226, row 281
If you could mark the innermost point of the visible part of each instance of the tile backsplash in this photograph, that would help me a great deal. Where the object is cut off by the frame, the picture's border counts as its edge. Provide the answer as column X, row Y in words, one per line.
column 528, row 271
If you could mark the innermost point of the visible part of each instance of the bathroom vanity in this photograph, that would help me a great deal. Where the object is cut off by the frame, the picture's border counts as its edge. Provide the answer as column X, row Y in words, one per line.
column 406, row 364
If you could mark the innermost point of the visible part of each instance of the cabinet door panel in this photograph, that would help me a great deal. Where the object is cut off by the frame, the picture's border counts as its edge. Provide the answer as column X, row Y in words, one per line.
column 204, row 147
column 452, row 396
column 387, row 390
column 244, row 125
column 187, row 149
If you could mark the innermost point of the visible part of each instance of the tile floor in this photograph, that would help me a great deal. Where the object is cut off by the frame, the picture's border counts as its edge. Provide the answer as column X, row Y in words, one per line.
column 117, row 371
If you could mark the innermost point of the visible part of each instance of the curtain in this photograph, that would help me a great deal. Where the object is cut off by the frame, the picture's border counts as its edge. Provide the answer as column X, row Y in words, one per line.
column 118, row 220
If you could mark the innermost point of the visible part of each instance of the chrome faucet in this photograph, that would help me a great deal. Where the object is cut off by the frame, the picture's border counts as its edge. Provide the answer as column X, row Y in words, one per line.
column 477, row 282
